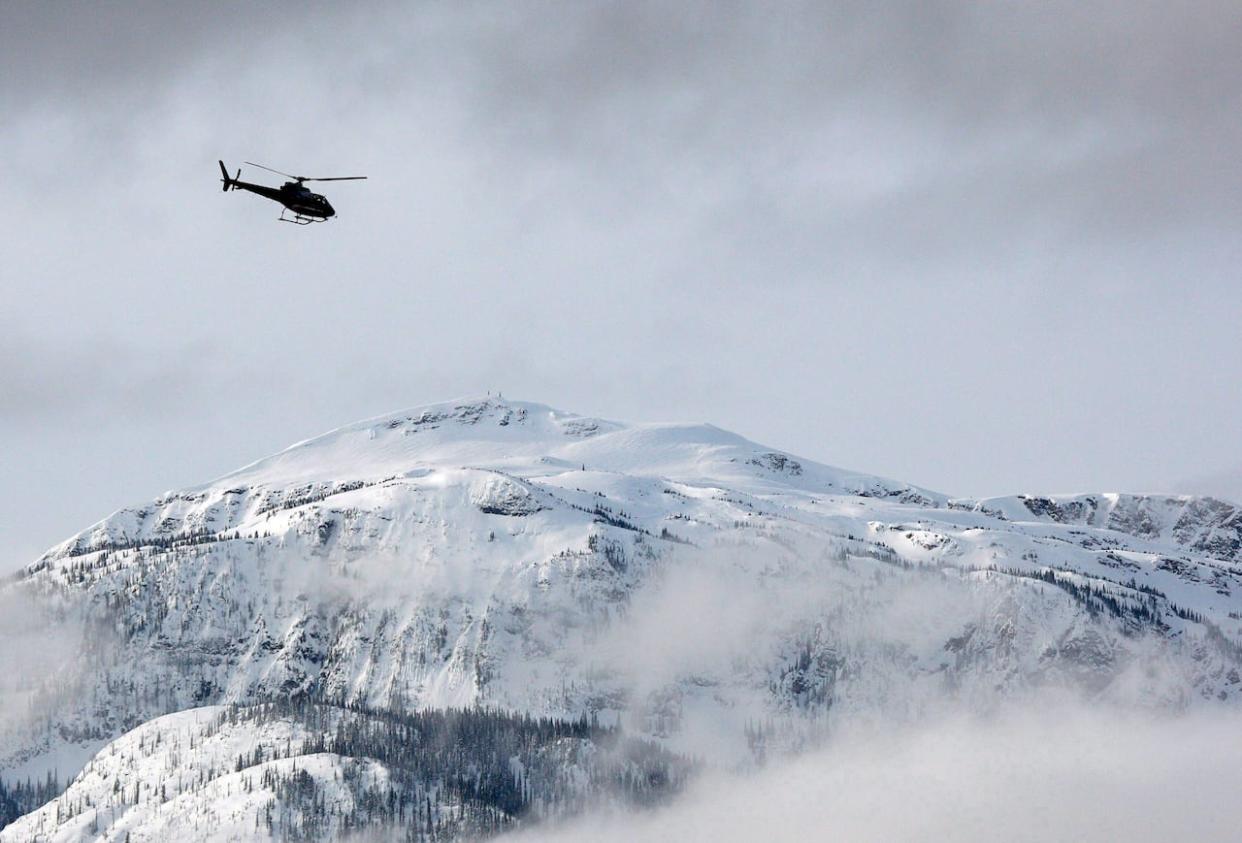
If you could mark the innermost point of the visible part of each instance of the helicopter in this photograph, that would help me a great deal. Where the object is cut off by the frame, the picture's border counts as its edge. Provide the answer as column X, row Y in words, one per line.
column 306, row 207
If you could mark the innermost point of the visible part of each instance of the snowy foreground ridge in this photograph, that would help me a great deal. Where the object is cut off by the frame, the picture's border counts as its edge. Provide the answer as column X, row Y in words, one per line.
column 655, row 593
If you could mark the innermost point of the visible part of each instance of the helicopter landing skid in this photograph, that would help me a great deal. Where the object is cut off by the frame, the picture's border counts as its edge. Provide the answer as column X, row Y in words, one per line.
column 298, row 219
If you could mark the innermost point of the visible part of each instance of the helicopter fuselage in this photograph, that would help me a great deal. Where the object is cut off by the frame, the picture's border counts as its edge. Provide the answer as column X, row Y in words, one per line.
column 293, row 196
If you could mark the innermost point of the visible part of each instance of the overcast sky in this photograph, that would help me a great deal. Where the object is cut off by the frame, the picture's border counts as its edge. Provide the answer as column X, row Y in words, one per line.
column 985, row 248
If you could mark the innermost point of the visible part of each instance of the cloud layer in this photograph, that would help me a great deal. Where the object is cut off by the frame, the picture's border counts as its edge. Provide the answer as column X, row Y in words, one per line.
column 1061, row 773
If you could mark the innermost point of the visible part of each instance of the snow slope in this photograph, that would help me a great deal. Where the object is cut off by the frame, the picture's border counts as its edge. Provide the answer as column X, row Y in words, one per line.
column 311, row 771
column 177, row 777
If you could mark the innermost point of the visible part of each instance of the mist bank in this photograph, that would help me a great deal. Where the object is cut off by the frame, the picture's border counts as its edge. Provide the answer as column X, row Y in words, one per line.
column 1051, row 771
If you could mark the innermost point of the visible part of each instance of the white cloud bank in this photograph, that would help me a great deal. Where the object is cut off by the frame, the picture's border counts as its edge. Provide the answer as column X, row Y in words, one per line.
column 1054, row 773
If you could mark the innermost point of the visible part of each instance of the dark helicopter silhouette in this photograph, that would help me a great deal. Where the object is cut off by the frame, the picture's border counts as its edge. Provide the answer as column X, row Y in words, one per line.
column 307, row 207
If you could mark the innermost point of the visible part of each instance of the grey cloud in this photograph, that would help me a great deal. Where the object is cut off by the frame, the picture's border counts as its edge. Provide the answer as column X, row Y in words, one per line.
column 1226, row 484
column 50, row 376
column 956, row 125
column 752, row 68
column 80, row 50
column 610, row 72
column 1050, row 121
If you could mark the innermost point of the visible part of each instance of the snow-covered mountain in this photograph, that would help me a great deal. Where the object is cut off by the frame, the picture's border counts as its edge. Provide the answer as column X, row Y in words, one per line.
column 304, row 770
column 720, row 597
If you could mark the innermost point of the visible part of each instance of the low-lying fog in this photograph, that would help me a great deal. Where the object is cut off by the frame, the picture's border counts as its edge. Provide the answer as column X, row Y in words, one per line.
column 1058, row 771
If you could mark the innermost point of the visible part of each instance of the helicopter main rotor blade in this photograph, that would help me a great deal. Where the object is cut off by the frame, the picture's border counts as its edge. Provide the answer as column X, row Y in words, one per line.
column 338, row 178
column 277, row 172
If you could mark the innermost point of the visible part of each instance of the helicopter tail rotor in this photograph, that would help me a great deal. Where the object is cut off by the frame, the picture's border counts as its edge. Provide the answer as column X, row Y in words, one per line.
column 228, row 182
